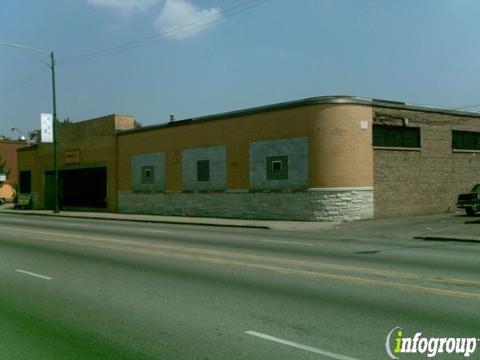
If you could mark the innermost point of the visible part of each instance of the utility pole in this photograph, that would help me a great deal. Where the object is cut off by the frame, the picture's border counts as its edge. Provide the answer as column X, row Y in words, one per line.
column 38, row 54
column 55, row 163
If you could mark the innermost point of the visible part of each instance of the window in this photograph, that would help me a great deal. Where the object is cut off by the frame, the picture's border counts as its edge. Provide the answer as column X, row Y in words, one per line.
column 277, row 167
column 396, row 136
column 465, row 140
column 203, row 170
column 25, row 182
column 148, row 174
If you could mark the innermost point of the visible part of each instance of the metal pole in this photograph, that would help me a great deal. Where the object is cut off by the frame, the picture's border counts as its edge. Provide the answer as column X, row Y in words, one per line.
column 55, row 165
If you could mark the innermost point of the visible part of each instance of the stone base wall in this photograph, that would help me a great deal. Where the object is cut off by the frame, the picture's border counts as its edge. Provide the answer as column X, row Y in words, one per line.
column 335, row 204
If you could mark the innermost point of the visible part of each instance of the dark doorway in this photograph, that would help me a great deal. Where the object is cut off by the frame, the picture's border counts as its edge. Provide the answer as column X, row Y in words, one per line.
column 78, row 188
column 25, row 182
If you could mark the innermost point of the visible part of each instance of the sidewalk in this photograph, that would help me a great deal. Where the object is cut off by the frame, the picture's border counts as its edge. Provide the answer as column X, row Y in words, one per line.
column 180, row 220
column 439, row 227
column 469, row 231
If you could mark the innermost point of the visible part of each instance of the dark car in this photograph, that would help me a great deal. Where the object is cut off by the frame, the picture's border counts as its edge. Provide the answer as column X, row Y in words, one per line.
column 471, row 201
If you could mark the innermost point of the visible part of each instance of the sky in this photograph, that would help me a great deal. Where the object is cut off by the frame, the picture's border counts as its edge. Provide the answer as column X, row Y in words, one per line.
column 200, row 57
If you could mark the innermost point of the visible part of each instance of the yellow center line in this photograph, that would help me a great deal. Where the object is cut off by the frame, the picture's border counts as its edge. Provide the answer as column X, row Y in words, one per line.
column 314, row 264
column 205, row 255
column 283, row 270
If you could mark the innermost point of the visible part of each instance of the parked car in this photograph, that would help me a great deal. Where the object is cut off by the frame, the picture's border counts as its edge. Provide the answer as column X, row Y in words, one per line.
column 471, row 201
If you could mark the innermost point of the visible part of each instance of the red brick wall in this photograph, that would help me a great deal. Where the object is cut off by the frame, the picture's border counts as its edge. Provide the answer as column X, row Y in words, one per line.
column 8, row 152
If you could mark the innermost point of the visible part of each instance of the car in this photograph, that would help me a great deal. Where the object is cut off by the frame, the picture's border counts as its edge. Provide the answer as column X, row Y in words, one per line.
column 470, row 201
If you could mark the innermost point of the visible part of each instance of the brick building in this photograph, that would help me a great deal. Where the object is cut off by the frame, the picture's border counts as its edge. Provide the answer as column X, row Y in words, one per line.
column 8, row 153
column 325, row 158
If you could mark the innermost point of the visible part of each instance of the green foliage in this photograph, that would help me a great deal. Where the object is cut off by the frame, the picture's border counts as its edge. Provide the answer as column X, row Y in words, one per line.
column 65, row 121
column 34, row 136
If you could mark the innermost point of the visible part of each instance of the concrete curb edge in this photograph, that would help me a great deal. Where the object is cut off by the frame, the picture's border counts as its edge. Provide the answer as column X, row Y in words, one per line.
column 264, row 227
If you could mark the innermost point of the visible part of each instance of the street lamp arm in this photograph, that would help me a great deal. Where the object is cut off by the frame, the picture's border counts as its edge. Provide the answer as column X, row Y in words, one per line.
column 31, row 51
column 17, row 129
column 36, row 52
column 25, row 47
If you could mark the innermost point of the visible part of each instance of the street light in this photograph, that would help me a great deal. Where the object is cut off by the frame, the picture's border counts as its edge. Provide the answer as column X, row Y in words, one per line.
column 41, row 55
column 23, row 137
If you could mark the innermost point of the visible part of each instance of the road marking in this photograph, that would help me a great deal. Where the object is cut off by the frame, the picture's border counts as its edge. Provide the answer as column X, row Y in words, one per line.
column 287, row 242
column 300, row 346
column 33, row 274
column 198, row 254
column 75, row 224
column 157, row 231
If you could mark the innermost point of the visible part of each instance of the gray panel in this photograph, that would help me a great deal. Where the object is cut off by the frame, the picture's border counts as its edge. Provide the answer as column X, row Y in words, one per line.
column 217, row 158
column 297, row 151
column 157, row 160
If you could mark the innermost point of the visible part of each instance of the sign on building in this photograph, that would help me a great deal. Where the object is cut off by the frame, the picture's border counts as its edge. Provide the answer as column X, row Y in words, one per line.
column 72, row 157
column 46, row 121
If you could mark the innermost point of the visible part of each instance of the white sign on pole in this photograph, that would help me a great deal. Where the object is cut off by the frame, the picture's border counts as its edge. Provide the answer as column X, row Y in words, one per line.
column 46, row 121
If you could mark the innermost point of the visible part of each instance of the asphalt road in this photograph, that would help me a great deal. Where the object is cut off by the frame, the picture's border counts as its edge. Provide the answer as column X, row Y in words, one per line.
column 85, row 289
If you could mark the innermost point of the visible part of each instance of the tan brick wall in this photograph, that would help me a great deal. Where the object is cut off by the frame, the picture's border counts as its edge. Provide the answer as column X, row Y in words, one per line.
column 426, row 181
column 96, row 143
column 340, row 154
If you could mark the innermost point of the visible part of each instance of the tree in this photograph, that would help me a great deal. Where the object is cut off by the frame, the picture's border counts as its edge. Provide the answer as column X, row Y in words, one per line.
column 65, row 121
column 137, row 124
column 34, row 136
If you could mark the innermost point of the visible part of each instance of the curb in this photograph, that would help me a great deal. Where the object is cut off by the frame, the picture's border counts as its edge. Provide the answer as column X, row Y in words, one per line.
column 444, row 238
column 264, row 227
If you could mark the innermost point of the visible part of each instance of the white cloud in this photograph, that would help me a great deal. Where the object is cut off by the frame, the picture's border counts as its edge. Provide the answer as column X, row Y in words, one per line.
column 124, row 6
column 180, row 19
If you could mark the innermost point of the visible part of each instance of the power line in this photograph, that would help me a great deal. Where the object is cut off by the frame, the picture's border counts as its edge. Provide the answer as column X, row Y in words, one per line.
column 22, row 82
column 210, row 20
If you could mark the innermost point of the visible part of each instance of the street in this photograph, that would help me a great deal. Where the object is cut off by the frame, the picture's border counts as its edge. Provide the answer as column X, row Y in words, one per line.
column 99, row 289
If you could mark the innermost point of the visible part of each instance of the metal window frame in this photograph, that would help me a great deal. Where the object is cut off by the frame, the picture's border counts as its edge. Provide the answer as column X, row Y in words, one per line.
column 277, row 174
column 382, row 139
column 459, row 140
column 148, row 179
column 203, row 170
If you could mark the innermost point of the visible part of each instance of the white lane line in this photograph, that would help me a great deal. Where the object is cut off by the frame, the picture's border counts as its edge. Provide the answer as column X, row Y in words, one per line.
column 288, row 242
column 75, row 224
column 33, row 274
column 157, row 231
column 300, row 346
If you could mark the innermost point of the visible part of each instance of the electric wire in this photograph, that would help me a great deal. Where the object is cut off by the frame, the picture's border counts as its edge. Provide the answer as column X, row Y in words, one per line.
column 28, row 79
column 212, row 19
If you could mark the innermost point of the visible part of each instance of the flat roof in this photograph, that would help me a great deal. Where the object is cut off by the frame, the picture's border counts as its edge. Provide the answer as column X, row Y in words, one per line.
column 319, row 100
column 13, row 142
column 337, row 99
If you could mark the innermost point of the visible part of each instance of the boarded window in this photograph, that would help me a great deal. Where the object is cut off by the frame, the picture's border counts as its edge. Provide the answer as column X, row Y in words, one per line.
column 465, row 140
column 277, row 167
column 148, row 174
column 396, row 136
column 203, row 170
